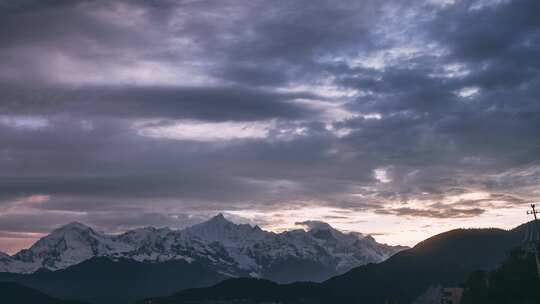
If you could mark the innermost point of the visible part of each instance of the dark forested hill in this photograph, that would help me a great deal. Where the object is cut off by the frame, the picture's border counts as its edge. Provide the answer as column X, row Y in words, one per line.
column 445, row 259
column 103, row 281
column 13, row 293
column 515, row 282
column 247, row 291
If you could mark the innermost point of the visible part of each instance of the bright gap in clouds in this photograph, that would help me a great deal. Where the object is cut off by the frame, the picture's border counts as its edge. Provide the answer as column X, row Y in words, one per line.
column 381, row 175
column 206, row 131
column 391, row 229
column 24, row 122
column 468, row 92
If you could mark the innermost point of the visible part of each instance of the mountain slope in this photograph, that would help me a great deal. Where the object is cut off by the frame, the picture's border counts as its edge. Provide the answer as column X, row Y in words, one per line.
column 234, row 250
column 516, row 281
column 68, row 245
column 101, row 280
column 246, row 290
column 14, row 293
column 444, row 259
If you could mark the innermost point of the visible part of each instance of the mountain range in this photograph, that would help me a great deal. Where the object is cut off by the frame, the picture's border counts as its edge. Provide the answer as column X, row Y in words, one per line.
column 77, row 262
column 221, row 262
column 233, row 250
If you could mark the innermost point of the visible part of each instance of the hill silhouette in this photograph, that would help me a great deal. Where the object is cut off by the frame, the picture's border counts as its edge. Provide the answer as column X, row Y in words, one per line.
column 248, row 291
column 13, row 293
column 515, row 282
column 445, row 259
column 103, row 281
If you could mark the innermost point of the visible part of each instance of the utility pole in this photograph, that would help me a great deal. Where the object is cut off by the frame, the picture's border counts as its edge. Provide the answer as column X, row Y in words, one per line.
column 533, row 212
column 535, row 244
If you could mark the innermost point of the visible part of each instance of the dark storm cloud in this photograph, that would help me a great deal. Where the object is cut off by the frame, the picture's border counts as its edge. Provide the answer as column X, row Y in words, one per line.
column 37, row 23
column 205, row 103
column 498, row 122
column 100, row 163
column 439, row 100
column 104, row 163
column 495, row 32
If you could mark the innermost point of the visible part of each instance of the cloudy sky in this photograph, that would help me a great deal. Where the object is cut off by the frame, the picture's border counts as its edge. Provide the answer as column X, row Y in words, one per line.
column 397, row 118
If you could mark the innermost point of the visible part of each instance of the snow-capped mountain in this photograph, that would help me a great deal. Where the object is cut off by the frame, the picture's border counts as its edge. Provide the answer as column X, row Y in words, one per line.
column 69, row 245
column 228, row 248
column 219, row 229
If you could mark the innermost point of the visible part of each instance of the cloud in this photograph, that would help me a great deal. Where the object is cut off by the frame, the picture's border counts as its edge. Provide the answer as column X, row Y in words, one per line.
column 444, row 213
column 314, row 225
column 380, row 108
column 166, row 102
column 24, row 122
column 203, row 131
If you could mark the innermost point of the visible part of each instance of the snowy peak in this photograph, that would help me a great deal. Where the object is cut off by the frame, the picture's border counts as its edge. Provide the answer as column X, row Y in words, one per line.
column 219, row 229
column 216, row 225
column 140, row 235
column 65, row 246
column 219, row 218
column 315, row 225
column 231, row 249
column 71, row 235
column 323, row 231
column 74, row 226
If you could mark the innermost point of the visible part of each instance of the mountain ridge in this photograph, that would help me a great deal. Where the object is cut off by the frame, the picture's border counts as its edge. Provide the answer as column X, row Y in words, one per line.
column 102, row 280
column 15, row 293
column 234, row 250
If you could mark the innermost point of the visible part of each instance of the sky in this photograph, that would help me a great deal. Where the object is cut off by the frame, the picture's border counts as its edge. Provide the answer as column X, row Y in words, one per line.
column 395, row 118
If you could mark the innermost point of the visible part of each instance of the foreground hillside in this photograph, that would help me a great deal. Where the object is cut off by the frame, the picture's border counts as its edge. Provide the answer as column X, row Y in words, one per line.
column 516, row 281
column 103, row 281
column 445, row 259
column 12, row 293
column 247, row 291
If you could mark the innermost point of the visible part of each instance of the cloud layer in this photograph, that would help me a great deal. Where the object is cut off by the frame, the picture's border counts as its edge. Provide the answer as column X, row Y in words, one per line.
column 131, row 113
